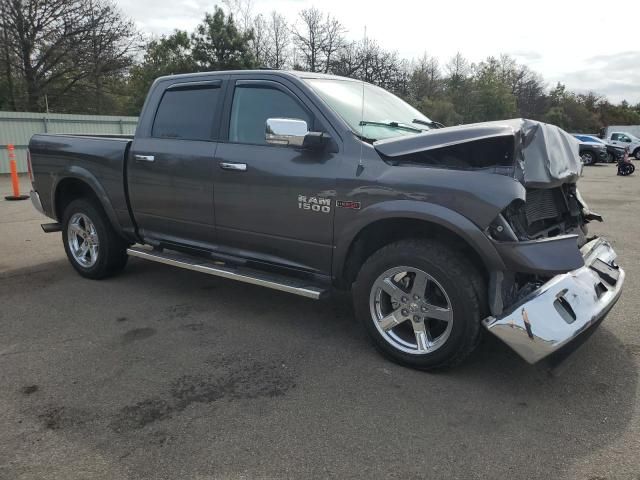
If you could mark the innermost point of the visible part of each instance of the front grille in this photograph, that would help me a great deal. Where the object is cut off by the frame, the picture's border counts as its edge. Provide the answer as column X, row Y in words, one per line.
column 543, row 204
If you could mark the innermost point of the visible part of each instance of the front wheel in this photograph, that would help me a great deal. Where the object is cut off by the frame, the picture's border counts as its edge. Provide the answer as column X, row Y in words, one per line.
column 92, row 246
column 421, row 303
column 588, row 158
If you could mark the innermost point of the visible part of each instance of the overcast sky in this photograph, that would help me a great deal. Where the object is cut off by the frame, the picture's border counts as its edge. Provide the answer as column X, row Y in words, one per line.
column 588, row 45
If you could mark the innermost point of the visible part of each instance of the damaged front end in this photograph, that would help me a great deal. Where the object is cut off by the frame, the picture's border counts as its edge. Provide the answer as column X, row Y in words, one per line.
column 559, row 312
column 557, row 283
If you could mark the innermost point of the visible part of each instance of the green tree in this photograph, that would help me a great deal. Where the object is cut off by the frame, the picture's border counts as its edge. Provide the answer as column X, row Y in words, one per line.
column 622, row 114
column 218, row 44
column 441, row 110
column 164, row 56
column 572, row 112
column 491, row 96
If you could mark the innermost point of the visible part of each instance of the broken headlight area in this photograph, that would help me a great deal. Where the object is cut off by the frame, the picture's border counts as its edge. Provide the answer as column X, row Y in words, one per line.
column 546, row 213
column 546, row 317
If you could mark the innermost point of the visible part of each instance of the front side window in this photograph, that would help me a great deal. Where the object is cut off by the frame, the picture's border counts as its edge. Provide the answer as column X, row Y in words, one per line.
column 370, row 111
column 253, row 105
column 186, row 113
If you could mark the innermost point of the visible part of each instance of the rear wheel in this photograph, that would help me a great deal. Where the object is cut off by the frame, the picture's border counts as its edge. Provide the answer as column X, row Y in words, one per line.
column 626, row 168
column 636, row 153
column 93, row 247
column 421, row 303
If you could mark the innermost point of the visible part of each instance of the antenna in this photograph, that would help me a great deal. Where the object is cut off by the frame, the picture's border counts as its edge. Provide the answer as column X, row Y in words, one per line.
column 360, row 164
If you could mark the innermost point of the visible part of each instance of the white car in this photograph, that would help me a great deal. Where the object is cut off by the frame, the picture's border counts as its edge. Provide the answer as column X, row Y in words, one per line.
column 623, row 140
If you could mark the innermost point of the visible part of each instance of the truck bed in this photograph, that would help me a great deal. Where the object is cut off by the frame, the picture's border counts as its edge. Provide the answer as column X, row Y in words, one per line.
column 98, row 160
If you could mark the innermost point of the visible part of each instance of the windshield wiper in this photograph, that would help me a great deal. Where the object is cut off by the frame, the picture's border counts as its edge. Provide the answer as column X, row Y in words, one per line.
column 431, row 124
column 402, row 126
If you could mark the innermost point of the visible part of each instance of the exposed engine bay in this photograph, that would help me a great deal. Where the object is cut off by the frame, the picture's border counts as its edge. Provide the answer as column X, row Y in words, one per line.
column 544, row 158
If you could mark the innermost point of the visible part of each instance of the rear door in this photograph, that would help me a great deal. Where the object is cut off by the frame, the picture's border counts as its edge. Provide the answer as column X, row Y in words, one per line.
column 274, row 203
column 170, row 166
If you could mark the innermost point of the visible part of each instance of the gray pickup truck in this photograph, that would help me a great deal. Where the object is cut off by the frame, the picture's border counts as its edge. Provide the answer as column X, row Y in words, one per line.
column 310, row 183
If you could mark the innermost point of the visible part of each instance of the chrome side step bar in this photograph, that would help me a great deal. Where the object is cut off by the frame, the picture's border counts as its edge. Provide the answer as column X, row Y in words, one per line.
column 241, row 274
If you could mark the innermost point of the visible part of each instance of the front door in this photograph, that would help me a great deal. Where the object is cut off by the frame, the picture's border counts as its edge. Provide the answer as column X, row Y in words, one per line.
column 273, row 203
column 170, row 172
column 620, row 140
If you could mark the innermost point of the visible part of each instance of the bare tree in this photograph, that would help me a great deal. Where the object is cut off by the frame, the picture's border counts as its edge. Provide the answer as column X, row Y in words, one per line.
column 278, row 37
column 55, row 44
column 458, row 66
column 309, row 37
column 242, row 10
column 260, row 45
column 7, row 60
column 425, row 78
column 366, row 60
column 318, row 39
column 333, row 40
column 112, row 41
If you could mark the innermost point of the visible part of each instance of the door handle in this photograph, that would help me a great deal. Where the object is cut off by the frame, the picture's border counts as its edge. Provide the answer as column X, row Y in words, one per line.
column 238, row 167
column 145, row 158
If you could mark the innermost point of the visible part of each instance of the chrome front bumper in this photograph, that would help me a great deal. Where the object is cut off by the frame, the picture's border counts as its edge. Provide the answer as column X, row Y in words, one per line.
column 564, row 308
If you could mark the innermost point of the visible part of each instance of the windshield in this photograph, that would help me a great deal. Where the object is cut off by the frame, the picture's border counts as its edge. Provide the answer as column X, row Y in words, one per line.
column 383, row 115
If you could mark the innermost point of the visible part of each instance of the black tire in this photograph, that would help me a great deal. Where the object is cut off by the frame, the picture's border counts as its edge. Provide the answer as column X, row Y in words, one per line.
column 626, row 169
column 588, row 158
column 111, row 255
column 610, row 157
column 464, row 287
column 636, row 153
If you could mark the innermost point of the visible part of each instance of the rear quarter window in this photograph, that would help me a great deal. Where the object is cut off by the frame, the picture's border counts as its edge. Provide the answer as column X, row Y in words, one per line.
column 187, row 113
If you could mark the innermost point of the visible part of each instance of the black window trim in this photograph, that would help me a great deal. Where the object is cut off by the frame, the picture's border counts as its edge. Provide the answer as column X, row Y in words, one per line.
column 200, row 85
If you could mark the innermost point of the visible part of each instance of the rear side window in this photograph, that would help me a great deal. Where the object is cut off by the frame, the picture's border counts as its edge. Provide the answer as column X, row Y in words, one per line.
column 187, row 113
column 616, row 136
column 253, row 105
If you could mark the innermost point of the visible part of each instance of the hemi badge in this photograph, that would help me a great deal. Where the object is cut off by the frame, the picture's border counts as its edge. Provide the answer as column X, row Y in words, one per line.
column 348, row 204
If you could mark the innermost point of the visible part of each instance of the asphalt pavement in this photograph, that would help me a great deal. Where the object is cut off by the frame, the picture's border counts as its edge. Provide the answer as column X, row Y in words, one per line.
column 172, row 374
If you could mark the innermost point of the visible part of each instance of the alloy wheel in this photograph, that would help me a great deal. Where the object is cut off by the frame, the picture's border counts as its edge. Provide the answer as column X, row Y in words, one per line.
column 83, row 241
column 411, row 310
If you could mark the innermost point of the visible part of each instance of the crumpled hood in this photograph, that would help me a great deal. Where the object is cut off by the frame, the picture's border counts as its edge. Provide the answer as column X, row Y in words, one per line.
column 545, row 155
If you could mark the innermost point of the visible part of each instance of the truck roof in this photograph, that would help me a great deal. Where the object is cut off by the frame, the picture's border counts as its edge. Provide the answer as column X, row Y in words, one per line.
column 283, row 73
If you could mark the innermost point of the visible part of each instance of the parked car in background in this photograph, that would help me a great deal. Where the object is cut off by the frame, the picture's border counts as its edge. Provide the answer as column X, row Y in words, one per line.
column 608, row 130
column 592, row 149
column 624, row 139
column 613, row 152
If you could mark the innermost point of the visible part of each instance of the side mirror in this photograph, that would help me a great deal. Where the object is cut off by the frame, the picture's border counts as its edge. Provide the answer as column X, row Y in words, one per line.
column 292, row 132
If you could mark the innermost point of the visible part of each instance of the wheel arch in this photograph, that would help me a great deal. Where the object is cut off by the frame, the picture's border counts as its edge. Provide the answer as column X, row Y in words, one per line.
column 403, row 219
column 80, row 183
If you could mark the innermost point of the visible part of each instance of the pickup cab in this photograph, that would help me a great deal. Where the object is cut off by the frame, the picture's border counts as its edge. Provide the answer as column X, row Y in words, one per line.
column 625, row 140
column 310, row 183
